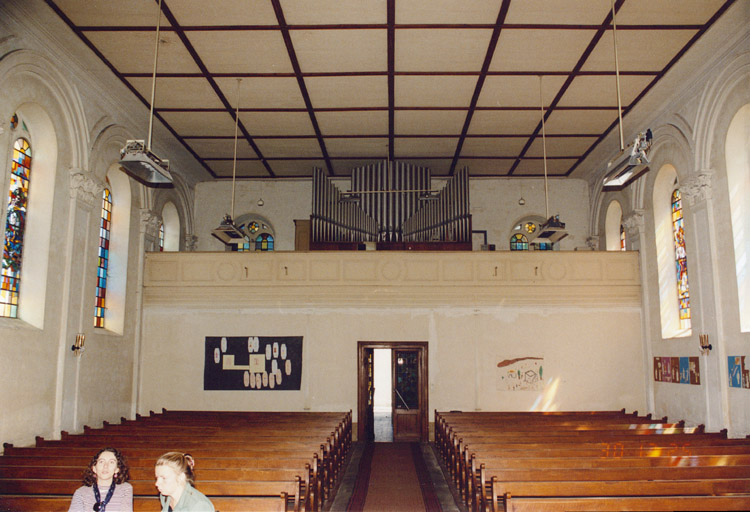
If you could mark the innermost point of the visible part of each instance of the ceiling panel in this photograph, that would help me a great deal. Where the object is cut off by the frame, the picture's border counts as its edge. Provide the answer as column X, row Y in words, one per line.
column 222, row 12
column 539, row 49
column 353, row 123
column 133, row 51
column 263, row 92
column 277, row 123
column 341, row 83
column 519, row 91
column 221, row 148
column 320, row 51
column 200, row 123
column 447, row 12
column 504, row 122
column 347, row 91
column 423, row 122
column 172, row 92
column 251, row 51
column 441, row 49
column 661, row 46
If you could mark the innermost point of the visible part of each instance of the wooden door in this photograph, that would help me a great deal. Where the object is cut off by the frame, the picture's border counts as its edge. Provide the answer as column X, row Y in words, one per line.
column 407, row 407
column 410, row 419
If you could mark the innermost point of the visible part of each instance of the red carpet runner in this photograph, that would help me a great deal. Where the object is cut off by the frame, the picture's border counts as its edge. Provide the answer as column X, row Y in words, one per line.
column 393, row 477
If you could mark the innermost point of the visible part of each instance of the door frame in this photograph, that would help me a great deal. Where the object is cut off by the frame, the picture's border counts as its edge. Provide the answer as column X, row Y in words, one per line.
column 420, row 346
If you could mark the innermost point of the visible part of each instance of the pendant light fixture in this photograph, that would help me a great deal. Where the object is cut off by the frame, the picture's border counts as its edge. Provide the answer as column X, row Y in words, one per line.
column 552, row 230
column 136, row 158
column 632, row 161
column 227, row 232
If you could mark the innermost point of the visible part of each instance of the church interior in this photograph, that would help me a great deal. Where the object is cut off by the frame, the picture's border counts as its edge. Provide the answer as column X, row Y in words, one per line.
column 501, row 208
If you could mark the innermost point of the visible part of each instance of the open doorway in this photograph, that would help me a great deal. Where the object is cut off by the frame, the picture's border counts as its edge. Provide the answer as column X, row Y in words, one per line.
column 401, row 413
column 382, row 402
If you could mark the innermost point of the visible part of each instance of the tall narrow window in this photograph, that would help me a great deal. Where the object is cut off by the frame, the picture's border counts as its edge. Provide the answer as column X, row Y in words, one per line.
column 101, row 273
column 161, row 237
column 623, row 243
column 15, row 224
column 683, row 289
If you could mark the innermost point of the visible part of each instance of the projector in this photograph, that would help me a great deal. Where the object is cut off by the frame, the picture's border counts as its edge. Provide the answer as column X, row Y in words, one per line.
column 630, row 163
column 140, row 163
column 228, row 233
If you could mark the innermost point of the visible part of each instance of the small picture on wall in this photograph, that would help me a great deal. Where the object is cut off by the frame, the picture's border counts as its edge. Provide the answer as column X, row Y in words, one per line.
column 739, row 375
column 520, row 374
column 695, row 370
column 253, row 363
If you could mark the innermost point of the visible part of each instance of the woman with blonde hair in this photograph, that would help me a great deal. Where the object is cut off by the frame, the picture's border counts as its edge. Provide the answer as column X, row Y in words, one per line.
column 175, row 480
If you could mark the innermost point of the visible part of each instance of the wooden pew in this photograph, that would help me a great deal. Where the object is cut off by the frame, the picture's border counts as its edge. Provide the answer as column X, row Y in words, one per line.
column 240, row 457
column 592, row 456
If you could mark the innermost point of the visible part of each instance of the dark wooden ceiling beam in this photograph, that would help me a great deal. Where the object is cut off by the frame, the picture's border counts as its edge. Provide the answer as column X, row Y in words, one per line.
column 284, row 29
column 391, row 6
column 480, row 81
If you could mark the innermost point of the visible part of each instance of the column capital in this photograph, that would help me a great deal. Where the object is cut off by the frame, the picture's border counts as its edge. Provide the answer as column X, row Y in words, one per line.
column 191, row 242
column 85, row 188
column 697, row 188
column 634, row 222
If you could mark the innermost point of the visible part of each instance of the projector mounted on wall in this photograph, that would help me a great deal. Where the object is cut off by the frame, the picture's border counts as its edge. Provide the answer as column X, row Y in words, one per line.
column 630, row 163
column 139, row 162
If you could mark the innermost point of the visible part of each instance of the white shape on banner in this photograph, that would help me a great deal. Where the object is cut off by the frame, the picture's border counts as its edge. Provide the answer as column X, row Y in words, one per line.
column 265, row 379
column 272, row 381
column 217, row 355
column 275, row 349
column 256, row 344
column 250, row 344
column 252, row 381
column 268, row 352
column 288, row 367
column 278, row 376
column 274, row 365
column 246, row 378
column 283, row 351
column 224, row 344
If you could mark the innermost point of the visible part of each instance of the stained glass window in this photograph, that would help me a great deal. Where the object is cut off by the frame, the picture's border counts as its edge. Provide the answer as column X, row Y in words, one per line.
column 101, row 272
column 683, row 289
column 161, row 237
column 15, row 224
column 542, row 246
column 518, row 242
column 264, row 242
column 623, row 243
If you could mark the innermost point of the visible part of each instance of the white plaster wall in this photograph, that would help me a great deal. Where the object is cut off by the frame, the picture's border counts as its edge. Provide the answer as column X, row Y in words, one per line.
column 465, row 345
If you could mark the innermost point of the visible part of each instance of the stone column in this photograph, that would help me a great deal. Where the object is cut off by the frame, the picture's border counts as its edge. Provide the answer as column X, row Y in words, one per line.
column 705, row 295
column 191, row 242
column 150, row 223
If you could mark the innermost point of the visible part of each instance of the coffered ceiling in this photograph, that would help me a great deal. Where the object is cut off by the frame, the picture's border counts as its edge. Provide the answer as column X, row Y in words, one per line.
column 442, row 83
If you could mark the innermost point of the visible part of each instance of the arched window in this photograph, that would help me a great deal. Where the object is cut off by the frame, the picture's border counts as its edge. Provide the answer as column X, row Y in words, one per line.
column 519, row 242
column 264, row 242
column 526, row 229
column 15, row 224
column 613, row 229
column 105, row 226
column 737, row 155
column 623, row 242
column 258, row 231
column 683, row 289
column 161, row 237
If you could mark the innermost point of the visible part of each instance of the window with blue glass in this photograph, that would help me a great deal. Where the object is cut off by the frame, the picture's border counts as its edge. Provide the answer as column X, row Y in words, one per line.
column 105, row 227
column 15, row 223
column 518, row 242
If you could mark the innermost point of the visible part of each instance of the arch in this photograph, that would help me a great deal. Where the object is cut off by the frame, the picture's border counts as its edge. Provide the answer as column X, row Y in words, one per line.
column 181, row 198
column 120, row 186
column 612, row 225
column 737, row 154
column 664, row 185
column 34, row 88
column 527, row 226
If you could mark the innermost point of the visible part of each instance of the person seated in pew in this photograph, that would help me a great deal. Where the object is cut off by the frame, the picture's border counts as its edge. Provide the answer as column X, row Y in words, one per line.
column 175, row 480
column 105, row 485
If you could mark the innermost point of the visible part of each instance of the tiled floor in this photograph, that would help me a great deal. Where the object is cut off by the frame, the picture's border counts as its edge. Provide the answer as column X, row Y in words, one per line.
column 383, row 427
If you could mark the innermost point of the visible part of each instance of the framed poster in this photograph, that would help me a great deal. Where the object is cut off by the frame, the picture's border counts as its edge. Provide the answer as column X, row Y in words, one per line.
column 257, row 363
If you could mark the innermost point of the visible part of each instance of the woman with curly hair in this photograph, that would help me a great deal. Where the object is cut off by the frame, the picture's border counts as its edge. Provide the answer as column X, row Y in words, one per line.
column 105, row 485
column 175, row 480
